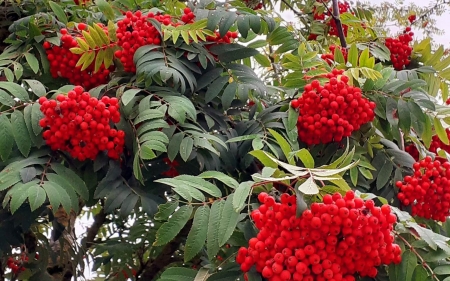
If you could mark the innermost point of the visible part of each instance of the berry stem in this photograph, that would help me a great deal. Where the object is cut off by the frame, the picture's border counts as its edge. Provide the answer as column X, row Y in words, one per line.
column 422, row 261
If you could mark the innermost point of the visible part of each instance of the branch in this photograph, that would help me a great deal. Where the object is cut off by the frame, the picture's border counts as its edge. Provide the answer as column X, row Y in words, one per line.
column 99, row 220
column 338, row 22
column 297, row 13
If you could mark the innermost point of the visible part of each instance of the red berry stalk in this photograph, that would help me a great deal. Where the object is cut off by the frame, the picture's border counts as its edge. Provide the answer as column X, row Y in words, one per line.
column 427, row 190
column 81, row 125
column 334, row 240
column 333, row 111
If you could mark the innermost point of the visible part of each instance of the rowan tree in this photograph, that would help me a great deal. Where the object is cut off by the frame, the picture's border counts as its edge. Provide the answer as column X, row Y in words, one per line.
column 216, row 141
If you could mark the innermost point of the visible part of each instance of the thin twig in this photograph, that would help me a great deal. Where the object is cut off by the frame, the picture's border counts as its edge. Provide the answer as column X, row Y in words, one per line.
column 297, row 13
column 424, row 264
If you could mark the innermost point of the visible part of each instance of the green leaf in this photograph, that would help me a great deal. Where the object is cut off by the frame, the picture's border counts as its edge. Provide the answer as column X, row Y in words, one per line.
column 18, row 194
column 228, row 95
column 264, row 159
column 404, row 115
column 6, row 137
column 406, row 268
column 6, row 99
column 166, row 210
column 71, row 177
column 385, row 174
column 243, row 138
column 440, row 131
column 306, row 157
column 178, row 273
column 106, row 9
column 174, row 145
column 228, row 221
column 241, row 194
column 169, row 230
column 16, row 90
column 212, row 241
column 36, row 115
column 353, row 55
column 441, row 270
column 229, row 181
column 27, row 174
column 215, row 88
column 67, row 186
column 37, row 87
column 36, row 196
column 309, row 187
column 32, row 62
column 128, row 95
column 146, row 152
column 420, row 273
column 59, row 12
column 186, row 147
column 284, row 145
column 20, row 133
column 197, row 235
column 57, row 196
column 200, row 184
column 292, row 118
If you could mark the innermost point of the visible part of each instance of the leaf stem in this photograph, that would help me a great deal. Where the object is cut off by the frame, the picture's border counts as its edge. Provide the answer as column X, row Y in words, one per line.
column 422, row 261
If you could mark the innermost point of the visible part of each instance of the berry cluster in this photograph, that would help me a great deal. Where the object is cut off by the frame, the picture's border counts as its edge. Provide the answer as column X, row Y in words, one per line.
column 63, row 62
column 172, row 172
column 334, row 240
column 333, row 111
column 427, row 190
column 17, row 264
column 327, row 18
column 413, row 151
column 254, row 4
column 412, row 18
column 329, row 58
column 437, row 143
column 135, row 31
column 80, row 124
column 400, row 49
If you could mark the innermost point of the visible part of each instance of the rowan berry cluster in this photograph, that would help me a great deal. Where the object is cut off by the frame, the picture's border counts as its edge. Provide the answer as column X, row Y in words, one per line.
column 81, row 124
column 400, row 49
column 63, row 62
column 254, row 4
column 413, row 151
column 327, row 18
column 334, row 240
column 17, row 264
column 135, row 31
column 427, row 190
column 331, row 112
column 329, row 58
column 172, row 172
column 437, row 143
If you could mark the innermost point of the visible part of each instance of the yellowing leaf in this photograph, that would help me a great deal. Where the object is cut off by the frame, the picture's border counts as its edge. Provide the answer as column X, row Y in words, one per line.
column 83, row 45
column 90, row 41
